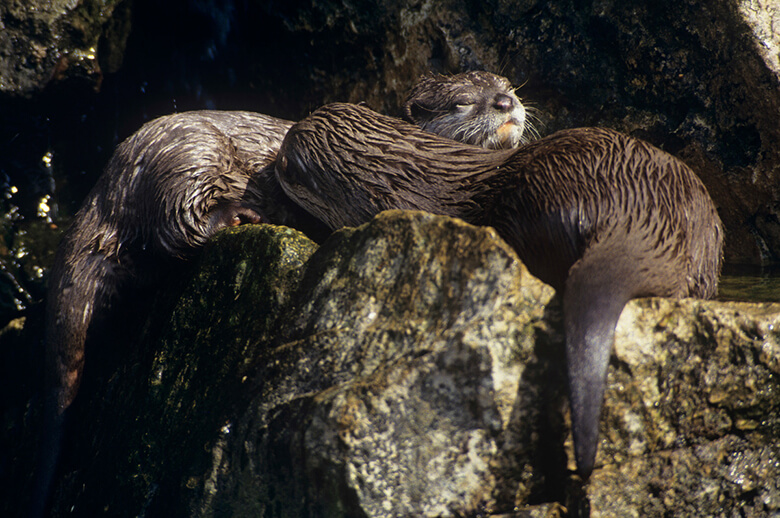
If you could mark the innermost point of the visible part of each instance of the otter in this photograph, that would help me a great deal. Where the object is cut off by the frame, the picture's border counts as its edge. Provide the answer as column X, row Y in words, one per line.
column 474, row 107
column 600, row 216
column 182, row 177
column 167, row 188
column 165, row 191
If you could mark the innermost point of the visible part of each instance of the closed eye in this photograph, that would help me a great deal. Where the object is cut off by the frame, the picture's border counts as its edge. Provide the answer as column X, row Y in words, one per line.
column 464, row 106
column 464, row 103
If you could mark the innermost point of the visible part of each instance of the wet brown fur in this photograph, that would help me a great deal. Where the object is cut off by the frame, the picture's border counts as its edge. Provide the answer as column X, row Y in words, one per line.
column 600, row 216
column 167, row 189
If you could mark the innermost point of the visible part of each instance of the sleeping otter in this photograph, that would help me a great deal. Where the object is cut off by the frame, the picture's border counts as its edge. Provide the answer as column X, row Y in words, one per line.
column 166, row 190
column 600, row 216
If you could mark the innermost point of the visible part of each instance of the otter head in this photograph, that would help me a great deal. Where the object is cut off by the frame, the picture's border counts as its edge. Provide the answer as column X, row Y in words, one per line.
column 475, row 107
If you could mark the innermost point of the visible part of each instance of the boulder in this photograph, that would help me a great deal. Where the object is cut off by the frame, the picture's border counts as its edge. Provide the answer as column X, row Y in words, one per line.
column 690, row 425
column 413, row 367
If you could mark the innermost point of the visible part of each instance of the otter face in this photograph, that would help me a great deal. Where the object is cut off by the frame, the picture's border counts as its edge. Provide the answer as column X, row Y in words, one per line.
column 476, row 108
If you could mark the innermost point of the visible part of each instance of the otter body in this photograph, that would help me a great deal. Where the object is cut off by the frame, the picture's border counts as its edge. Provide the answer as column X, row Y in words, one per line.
column 166, row 190
column 600, row 216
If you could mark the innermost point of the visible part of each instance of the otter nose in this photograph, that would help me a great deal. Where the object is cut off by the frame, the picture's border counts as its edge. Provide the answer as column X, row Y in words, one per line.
column 503, row 103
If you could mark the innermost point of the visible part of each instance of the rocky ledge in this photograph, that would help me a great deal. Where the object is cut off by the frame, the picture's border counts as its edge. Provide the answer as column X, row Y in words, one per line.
column 413, row 367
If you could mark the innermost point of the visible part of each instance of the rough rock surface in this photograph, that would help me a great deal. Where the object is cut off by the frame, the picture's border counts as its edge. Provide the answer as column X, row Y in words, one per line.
column 413, row 367
column 147, row 423
column 45, row 41
column 691, row 424
column 405, row 384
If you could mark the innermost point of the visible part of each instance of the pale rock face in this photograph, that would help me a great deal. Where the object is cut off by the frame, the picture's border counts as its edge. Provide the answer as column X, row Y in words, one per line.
column 763, row 18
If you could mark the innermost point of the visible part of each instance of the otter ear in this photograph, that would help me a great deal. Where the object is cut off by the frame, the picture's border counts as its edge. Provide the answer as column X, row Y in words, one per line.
column 410, row 110
column 414, row 111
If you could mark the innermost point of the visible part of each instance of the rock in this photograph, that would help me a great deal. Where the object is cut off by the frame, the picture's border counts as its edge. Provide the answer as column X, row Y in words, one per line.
column 691, row 424
column 413, row 367
column 405, row 384
column 45, row 41
column 144, row 423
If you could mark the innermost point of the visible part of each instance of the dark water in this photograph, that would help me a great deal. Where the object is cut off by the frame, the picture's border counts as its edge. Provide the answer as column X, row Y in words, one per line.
column 750, row 284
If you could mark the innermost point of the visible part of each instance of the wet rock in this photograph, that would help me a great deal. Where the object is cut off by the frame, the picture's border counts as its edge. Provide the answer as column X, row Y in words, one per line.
column 44, row 41
column 413, row 367
column 144, row 422
column 691, row 424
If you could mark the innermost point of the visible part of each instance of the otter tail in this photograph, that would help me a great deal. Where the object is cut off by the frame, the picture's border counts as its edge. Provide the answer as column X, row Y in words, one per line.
column 596, row 291
column 80, row 285
column 49, row 453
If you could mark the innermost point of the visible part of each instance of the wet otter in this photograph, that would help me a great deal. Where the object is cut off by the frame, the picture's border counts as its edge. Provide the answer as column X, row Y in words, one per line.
column 600, row 216
column 166, row 190
column 475, row 107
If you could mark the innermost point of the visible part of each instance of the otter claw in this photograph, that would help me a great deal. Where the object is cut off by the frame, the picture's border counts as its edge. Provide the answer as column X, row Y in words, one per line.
column 243, row 215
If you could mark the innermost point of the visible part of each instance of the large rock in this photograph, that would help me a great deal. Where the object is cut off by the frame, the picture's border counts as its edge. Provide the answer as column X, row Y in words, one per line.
column 139, row 429
column 406, row 385
column 413, row 367
column 691, row 424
